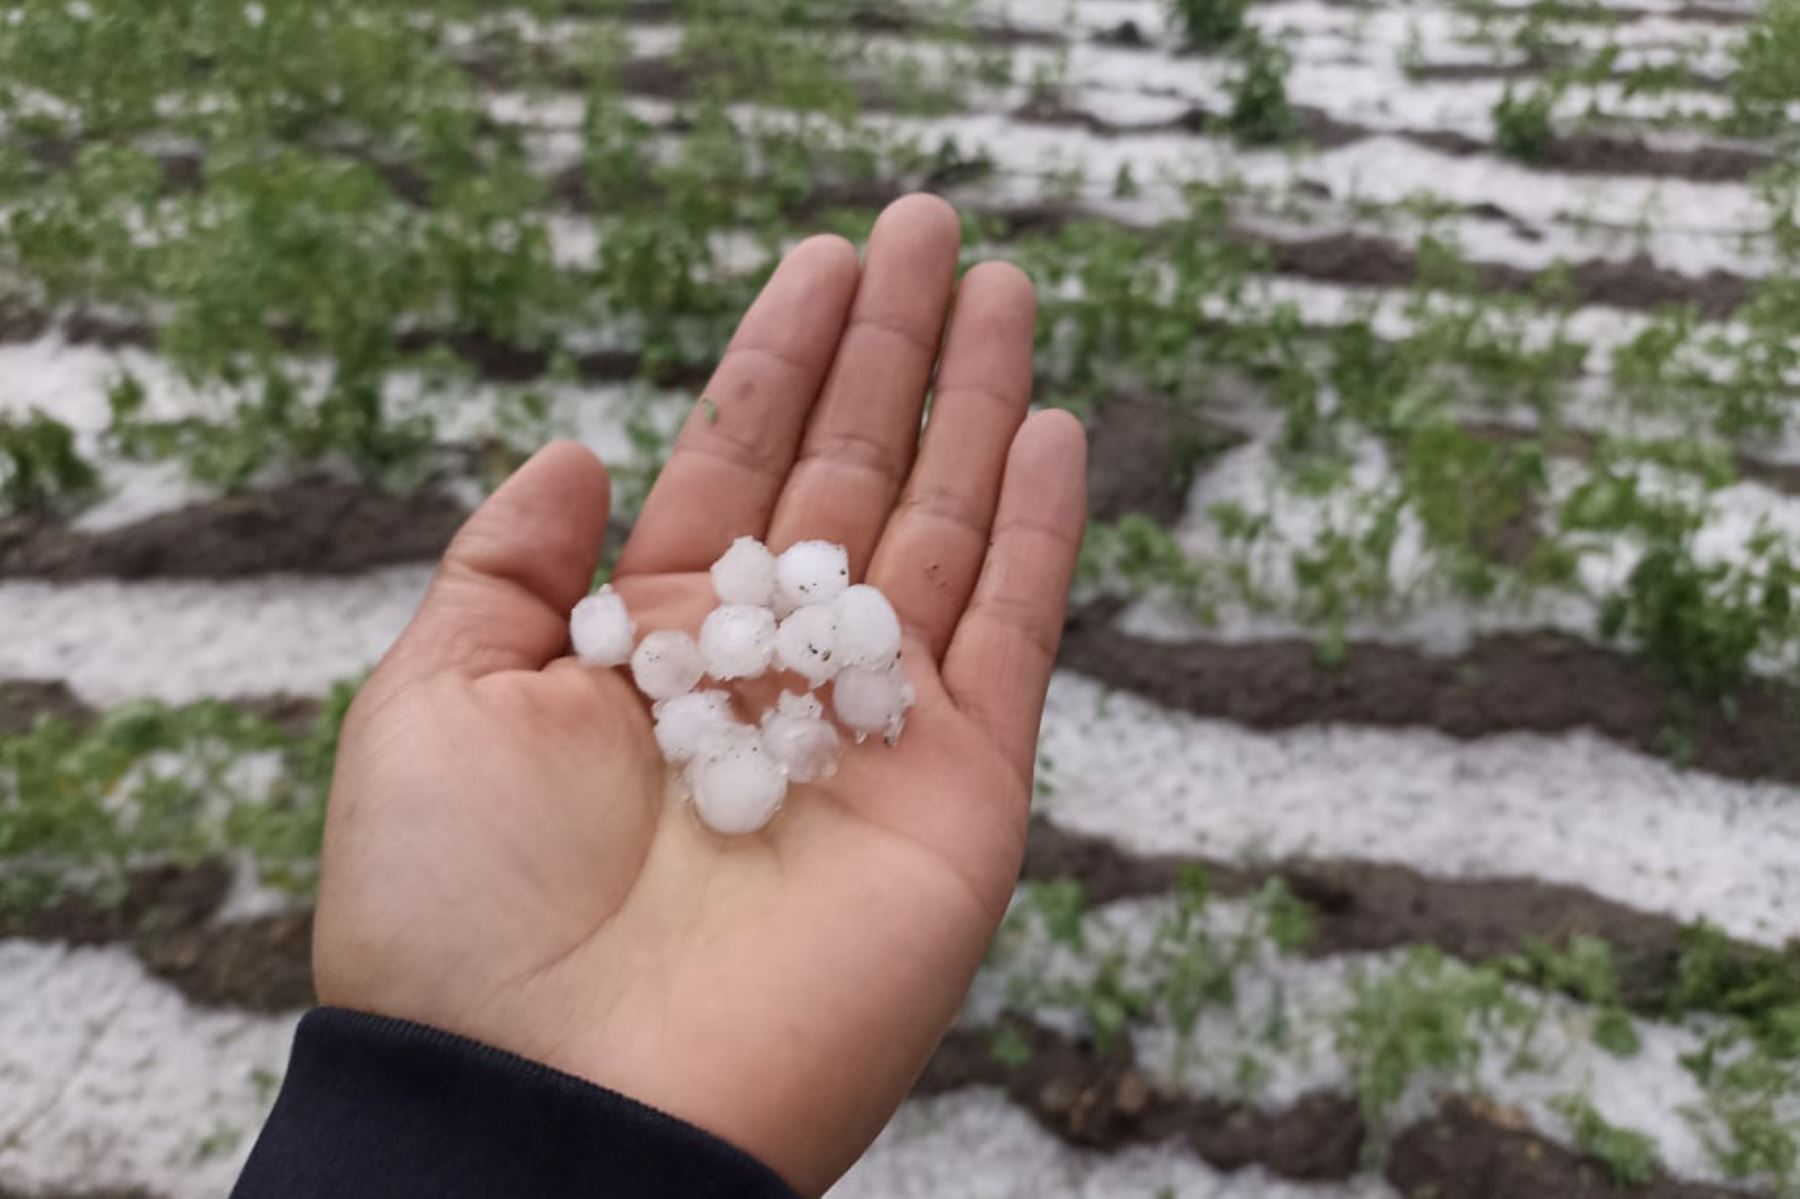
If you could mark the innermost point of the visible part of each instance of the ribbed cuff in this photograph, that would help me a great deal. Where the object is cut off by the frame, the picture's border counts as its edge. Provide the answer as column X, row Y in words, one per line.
column 379, row 1107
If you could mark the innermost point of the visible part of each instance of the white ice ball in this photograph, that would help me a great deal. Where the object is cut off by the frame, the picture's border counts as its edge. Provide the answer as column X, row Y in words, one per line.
column 868, row 629
column 797, row 735
column 745, row 574
column 602, row 630
column 811, row 572
column 666, row 664
column 806, row 643
column 687, row 724
column 737, row 786
column 873, row 701
column 737, row 641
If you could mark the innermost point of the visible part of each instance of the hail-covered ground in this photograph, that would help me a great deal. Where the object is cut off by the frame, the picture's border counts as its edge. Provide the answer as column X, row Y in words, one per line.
column 1389, row 985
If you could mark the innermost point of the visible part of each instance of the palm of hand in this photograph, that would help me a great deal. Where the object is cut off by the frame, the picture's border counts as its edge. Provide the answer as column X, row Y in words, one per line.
column 503, row 858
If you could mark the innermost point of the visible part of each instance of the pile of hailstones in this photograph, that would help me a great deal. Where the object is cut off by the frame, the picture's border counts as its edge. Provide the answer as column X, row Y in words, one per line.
column 797, row 612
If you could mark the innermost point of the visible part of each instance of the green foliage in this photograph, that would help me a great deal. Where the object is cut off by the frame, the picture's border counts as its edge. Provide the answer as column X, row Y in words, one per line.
column 1629, row 1157
column 1522, row 126
column 40, row 467
column 1260, row 114
column 154, row 783
column 1010, row 1048
column 1427, row 1016
column 1585, row 969
column 1767, row 78
column 1209, row 24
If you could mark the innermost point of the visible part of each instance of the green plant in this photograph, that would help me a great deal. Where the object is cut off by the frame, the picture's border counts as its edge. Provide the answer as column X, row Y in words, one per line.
column 151, row 783
column 1209, row 24
column 1767, row 78
column 1427, row 1015
column 1522, row 126
column 1629, row 1156
column 1260, row 114
column 40, row 467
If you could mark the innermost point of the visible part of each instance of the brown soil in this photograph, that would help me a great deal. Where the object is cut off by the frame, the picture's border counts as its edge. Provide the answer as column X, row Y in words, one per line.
column 23, row 702
column 1526, row 682
column 1471, row 1151
column 314, row 528
column 1143, row 452
column 1044, row 110
column 1365, row 907
column 1636, row 283
column 1103, row 1101
column 167, row 915
column 1612, row 154
column 1466, row 72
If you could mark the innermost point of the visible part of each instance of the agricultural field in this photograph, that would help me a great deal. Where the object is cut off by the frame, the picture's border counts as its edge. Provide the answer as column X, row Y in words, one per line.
column 1419, row 797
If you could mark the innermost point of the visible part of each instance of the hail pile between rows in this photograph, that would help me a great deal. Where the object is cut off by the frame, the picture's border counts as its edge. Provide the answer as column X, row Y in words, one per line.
column 797, row 613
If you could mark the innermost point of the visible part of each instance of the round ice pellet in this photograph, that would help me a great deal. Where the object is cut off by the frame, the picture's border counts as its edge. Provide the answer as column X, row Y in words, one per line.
column 806, row 643
column 811, row 572
column 872, row 701
column 799, row 738
column 737, row 787
column 745, row 574
column 602, row 630
column 666, row 664
column 688, row 723
column 737, row 641
column 868, row 630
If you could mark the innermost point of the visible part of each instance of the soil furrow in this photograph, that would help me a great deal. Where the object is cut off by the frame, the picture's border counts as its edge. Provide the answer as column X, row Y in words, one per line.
column 316, row 528
column 1370, row 907
column 168, row 915
column 1510, row 683
column 1103, row 1101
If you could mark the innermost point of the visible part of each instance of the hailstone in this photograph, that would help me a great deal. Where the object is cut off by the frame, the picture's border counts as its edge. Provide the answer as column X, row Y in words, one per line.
column 811, row 572
column 666, row 664
column 806, row 643
column 797, row 735
column 868, row 630
column 737, row 786
column 737, row 641
column 745, row 574
column 873, row 701
column 602, row 630
column 687, row 724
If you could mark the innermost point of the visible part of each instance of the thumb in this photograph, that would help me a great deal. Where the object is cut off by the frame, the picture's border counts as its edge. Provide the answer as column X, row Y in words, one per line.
column 501, row 597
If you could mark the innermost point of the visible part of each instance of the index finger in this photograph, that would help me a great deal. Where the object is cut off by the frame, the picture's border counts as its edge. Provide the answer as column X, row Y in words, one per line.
column 734, row 453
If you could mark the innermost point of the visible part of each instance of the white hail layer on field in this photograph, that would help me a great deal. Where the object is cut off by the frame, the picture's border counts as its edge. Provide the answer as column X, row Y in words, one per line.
column 278, row 633
column 110, row 1080
column 1430, row 617
column 977, row 1145
column 1573, row 808
column 1646, row 1091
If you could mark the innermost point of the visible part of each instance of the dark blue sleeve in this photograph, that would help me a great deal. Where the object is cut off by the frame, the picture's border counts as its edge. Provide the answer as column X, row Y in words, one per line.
column 379, row 1107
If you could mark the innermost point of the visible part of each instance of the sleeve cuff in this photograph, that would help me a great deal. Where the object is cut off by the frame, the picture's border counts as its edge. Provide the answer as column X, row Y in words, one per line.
column 373, row 1106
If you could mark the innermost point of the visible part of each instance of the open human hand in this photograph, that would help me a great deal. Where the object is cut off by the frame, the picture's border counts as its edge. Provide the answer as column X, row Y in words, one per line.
column 504, row 858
